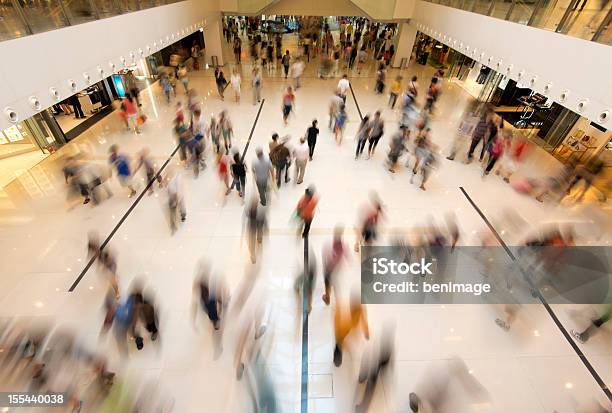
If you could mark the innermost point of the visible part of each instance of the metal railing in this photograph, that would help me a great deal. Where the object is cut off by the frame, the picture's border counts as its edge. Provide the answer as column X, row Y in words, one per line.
column 20, row 18
column 585, row 19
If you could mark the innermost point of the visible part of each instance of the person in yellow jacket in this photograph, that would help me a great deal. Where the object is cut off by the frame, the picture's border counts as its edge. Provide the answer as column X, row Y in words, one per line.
column 347, row 320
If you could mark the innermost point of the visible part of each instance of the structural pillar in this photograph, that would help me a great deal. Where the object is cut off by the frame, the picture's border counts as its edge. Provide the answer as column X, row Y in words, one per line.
column 405, row 43
column 213, row 41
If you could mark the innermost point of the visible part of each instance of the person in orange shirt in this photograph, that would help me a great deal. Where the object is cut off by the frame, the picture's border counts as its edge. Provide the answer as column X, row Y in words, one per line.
column 346, row 321
column 306, row 209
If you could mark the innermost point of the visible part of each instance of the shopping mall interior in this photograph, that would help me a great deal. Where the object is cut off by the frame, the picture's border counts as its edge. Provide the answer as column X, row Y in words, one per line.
column 180, row 235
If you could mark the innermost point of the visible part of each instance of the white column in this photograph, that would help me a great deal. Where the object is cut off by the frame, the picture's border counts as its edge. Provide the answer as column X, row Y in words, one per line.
column 405, row 42
column 213, row 40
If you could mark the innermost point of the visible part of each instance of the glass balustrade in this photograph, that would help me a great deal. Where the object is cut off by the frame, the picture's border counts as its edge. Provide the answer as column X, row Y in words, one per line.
column 20, row 18
column 585, row 19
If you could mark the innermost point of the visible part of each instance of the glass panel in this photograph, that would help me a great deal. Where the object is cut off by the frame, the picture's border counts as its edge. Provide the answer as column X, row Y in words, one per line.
column 79, row 11
column 606, row 35
column 549, row 14
column 129, row 5
column 482, row 6
column 11, row 25
column 468, row 4
column 522, row 11
column 587, row 18
column 501, row 8
column 44, row 16
column 106, row 8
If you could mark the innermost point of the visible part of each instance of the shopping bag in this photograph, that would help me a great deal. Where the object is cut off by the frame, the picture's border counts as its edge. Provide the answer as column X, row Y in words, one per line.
column 141, row 119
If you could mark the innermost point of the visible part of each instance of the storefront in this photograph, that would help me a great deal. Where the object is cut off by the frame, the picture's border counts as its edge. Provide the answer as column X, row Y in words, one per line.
column 26, row 143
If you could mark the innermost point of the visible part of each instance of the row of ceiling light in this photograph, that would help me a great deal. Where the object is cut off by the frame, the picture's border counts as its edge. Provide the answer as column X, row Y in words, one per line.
column 34, row 102
column 508, row 70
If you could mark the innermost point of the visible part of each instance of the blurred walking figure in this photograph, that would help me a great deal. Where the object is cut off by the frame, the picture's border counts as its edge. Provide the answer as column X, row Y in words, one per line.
column 208, row 298
column 343, row 87
column 432, row 95
column 236, row 80
column 396, row 89
column 166, row 86
column 183, row 134
column 281, row 158
column 297, row 69
column 128, row 105
column 256, row 224
column 239, row 176
column 312, row 133
column 183, row 78
column 305, row 283
column 108, row 262
column 341, row 119
column 256, row 83
column 584, row 335
column 367, row 230
column 262, row 171
column 215, row 133
column 397, row 147
column 377, row 129
column 362, row 135
column 121, row 163
column 286, row 61
column 306, row 208
column 346, row 320
column 586, row 174
column 144, row 160
column 227, row 129
column 375, row 363
column 381, row 74
column 288, row 104
column 176, row 202
column 76, row 180
column 333, row 255
column 434, row 393
column 223, row 171
column 481, row 133
column 334, row 107
column 220, row 81
column 301, row 154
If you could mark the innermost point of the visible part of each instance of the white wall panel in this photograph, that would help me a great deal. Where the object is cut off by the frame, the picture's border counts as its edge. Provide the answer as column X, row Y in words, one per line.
column 33, row 64
column 562, row 62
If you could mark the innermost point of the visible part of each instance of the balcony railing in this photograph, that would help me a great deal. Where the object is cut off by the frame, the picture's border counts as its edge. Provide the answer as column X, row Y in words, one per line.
column 585, row 19
column 20, row 18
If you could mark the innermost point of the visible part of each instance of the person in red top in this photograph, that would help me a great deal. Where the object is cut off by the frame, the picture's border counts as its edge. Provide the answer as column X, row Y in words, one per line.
column 514, row 154
column 368, row 230
column 306, row 209
column 288, row 103
column 332, row 258
column 131, row 112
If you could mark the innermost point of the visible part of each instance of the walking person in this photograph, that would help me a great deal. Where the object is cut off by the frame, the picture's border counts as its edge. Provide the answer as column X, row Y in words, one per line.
column 496, row 149
column 128, row 104
column 312, row 133
column 166, row 86
column 288, row 104
column 595, row 325
column 380, row 79
column 262, row 171
column 281, row 159
column 144, row 160
column 215, row 133
column 239, row 175
column 76, row 106
column 227, row 130
column 297, row 69
column 362, row 135
column 255, row 223
column 235, row 81
column 122, row 166
column 334, row 107
column 343, row 87
column 305, row 210
column 237, row 49
column 286, row 61
column 256, row 83
column 396, row 89
column 377, row 129
column 346, row 321
column 333, row 255
column 432, row 95
column 301, row 153
column 220, row 81
column 176, row 201
column 341, row 119
column 481, row 133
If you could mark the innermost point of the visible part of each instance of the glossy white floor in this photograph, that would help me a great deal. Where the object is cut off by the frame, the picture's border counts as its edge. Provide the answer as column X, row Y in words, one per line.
column 532, row 368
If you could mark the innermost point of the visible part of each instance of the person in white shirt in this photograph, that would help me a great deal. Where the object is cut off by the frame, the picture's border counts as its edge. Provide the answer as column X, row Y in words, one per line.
column 301, row 153
column 297, row 68
column 343, row 87
column 235, row 80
